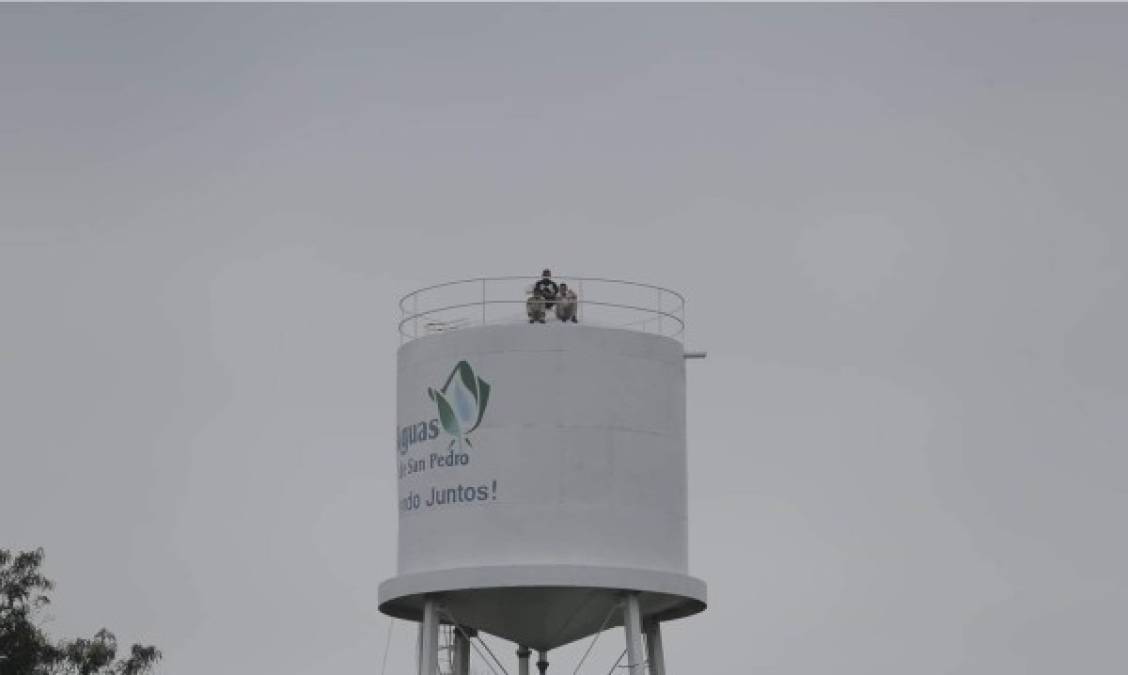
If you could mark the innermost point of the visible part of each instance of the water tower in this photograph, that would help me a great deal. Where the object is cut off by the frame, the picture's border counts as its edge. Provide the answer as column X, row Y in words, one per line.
column 542, row 469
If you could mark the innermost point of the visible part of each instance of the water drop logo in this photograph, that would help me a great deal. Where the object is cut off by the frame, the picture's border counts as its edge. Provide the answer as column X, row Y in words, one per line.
column 461, row 402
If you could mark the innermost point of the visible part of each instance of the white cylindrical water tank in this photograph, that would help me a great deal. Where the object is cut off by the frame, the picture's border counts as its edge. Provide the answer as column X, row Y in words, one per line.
column 542, row 470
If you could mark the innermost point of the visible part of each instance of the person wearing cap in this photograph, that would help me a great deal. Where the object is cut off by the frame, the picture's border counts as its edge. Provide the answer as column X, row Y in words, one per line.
column 566, row 304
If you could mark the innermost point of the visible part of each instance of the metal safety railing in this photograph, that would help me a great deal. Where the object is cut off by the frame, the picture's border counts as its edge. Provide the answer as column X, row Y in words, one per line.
column 484, row 301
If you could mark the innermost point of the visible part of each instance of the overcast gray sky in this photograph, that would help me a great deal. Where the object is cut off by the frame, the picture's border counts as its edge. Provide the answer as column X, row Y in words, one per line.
column 900, row 230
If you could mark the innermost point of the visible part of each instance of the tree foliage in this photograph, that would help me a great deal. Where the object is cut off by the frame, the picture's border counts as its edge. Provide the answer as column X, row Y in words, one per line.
column 26, row 650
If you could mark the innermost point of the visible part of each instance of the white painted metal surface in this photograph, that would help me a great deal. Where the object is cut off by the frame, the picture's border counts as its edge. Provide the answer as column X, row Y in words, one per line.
column 571, row 453
column 542, row 471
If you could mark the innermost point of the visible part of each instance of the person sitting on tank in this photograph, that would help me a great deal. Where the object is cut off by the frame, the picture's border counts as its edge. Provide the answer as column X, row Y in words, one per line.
column 546, row 288
column 534, row 307
column 566, row 304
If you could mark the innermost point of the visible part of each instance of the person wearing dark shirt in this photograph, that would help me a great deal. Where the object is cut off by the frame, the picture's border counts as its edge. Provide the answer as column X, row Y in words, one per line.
column 546, row 288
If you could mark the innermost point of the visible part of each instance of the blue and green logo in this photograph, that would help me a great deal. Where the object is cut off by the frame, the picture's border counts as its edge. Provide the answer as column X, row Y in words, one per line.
column 462, row 403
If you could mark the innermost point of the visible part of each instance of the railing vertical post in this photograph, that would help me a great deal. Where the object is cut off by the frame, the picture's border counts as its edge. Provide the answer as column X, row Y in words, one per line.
column 483, row 302
column 685, row 326
column 580, row 304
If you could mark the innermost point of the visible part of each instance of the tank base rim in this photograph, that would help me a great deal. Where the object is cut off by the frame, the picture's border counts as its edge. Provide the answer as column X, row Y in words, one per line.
column 516, row 602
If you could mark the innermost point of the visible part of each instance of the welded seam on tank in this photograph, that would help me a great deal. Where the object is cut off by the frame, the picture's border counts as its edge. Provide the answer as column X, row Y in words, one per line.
column 454, row 354
column 583, row 427
column 579, row 353
column 675, row 583
column 583, row 603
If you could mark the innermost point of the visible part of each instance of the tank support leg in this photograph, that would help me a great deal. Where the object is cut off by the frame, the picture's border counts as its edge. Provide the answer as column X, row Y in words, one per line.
column 632, row 625
column 523, row 653
column 429, row 639
column 542, row 662
column 654, row 649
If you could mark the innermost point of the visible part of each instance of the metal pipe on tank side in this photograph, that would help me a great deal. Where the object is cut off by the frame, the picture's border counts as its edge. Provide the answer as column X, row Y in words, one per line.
column 523, row 653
